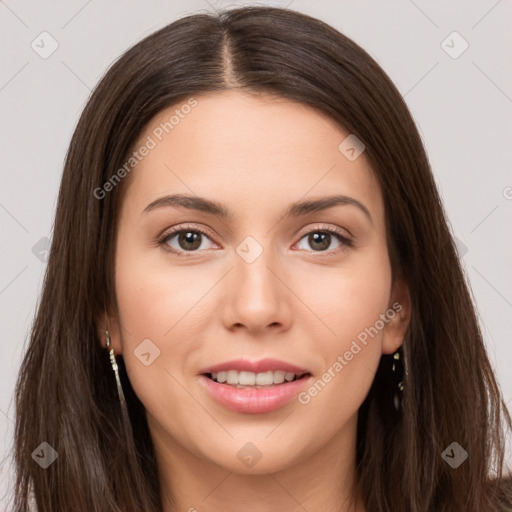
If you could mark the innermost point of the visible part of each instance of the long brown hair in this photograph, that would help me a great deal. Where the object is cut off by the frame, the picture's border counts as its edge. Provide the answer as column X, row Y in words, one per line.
column 66, row 392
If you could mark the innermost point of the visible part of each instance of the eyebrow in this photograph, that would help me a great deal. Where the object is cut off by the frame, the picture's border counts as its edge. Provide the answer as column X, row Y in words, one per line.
column 219, row 210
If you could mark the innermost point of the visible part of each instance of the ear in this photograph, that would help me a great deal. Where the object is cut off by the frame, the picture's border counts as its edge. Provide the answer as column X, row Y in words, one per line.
column 399, row 315
column 108, row 322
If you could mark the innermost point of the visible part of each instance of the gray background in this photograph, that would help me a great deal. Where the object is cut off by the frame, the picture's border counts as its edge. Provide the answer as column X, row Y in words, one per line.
column 462, row 107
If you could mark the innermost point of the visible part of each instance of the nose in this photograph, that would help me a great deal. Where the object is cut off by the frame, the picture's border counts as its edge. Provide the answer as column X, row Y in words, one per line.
column 257, row 297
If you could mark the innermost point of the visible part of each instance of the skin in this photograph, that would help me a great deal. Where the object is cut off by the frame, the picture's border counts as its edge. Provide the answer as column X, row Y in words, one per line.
column 298, row 302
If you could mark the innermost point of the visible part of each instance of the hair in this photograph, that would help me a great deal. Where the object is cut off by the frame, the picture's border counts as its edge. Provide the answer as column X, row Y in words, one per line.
column 66, row 392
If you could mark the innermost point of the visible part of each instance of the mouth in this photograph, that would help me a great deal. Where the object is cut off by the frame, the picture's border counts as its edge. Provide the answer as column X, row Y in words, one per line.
column 252, row 380
column 254, row 393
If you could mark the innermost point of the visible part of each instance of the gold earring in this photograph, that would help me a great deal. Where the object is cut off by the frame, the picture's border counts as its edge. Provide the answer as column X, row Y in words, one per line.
column 113, row 362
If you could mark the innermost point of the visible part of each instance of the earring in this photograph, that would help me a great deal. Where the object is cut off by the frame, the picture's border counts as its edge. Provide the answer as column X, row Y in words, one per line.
column 398, row 379
column 113, row 362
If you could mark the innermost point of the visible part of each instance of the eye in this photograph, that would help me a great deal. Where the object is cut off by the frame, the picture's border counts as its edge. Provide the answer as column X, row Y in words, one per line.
column 183, row 240
column 320, row 240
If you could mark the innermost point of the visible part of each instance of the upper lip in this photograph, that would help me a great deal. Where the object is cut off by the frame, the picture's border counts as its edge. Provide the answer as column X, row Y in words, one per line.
column 263, row 365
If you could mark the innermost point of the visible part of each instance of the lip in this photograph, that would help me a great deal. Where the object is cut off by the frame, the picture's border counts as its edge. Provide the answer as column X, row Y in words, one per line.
column 263, row 365
column 253, row 400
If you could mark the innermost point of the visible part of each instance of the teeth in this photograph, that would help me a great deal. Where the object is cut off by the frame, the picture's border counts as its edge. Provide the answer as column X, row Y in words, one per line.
column 244, row 378
column 232, row 377
column 220, row 377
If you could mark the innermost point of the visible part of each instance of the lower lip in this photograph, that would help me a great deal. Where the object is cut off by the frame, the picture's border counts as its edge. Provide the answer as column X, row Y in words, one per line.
column 254, row 401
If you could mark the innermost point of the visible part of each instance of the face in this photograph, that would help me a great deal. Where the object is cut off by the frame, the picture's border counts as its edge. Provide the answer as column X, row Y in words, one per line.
column 308, row 287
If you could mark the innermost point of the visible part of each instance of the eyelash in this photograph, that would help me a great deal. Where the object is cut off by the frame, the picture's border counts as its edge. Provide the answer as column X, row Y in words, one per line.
column 162, row 240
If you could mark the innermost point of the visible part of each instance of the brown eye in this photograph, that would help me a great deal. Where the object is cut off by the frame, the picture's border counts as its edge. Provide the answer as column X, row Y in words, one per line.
column 189, row 240
column 184, row 240
column 320, row 240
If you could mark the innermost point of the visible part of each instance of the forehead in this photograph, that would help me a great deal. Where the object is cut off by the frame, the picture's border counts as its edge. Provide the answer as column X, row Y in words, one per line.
column 248, row 150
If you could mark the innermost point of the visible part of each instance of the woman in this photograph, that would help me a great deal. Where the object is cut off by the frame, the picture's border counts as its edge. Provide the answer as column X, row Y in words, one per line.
column 253, row 301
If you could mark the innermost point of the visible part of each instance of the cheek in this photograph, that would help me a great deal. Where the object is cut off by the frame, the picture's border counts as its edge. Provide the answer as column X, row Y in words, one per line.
column 351, row 299
column 156, row 342
column 346, row 298
column 154, row 300
column 153, row 294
